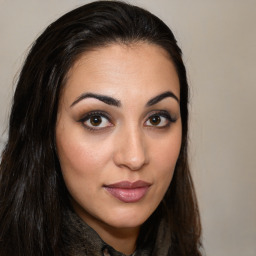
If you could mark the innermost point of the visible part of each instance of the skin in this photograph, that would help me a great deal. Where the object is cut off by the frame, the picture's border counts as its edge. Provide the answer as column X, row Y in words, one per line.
column 135, row 141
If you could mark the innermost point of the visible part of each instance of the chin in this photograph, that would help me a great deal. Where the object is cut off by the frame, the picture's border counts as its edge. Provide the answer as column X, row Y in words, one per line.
column 127, row 219
column 124, row 216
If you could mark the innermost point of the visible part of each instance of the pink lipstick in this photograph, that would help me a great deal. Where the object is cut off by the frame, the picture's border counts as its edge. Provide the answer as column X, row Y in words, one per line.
column 128, row 192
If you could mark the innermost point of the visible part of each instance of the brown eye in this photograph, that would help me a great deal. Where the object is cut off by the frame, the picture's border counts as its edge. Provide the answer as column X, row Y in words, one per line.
column 159, row 120
column 155, row 120
column 95, row 120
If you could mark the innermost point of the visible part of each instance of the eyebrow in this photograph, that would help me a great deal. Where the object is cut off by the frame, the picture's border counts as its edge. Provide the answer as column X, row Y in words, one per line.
column 106, row 99
column 160, row 97
column 115, row 102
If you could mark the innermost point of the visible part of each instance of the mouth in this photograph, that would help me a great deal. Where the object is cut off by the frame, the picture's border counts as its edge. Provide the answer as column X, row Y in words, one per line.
column 128, row 192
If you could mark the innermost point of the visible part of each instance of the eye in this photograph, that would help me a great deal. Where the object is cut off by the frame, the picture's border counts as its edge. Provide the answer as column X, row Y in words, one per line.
column 96, row 121
column 157, row 120
column 161, row 119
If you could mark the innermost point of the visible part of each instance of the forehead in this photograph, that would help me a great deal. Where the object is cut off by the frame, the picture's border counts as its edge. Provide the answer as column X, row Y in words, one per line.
column 123, row 70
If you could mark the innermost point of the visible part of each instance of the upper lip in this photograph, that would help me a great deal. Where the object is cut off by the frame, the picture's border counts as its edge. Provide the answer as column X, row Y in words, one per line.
column 128, row 184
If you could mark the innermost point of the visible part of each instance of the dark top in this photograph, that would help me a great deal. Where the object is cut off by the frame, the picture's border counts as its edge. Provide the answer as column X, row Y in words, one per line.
column 81, row 240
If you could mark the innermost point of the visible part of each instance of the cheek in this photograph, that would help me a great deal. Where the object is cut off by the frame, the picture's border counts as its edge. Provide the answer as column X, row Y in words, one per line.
column 80, row 158
column 165, row 158
column 78, row 151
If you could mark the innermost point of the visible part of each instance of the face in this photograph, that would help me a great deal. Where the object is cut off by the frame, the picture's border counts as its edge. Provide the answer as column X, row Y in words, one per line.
column 118, row 133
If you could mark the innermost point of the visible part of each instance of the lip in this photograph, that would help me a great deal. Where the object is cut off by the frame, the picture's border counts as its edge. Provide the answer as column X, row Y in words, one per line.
column 128, row 192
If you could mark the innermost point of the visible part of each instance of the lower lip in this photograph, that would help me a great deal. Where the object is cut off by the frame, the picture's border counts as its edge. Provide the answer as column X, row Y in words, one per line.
column 128, row 195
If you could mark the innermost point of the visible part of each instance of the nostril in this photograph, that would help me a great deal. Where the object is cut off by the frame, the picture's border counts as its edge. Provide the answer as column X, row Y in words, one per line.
column 136, row 163
column 133, row 158
column 131, row 149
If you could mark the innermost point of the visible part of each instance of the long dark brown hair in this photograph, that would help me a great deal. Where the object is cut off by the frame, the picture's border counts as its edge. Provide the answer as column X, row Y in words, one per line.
column 32, row 191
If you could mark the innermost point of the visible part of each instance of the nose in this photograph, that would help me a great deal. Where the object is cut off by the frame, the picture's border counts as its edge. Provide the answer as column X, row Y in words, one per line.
column 131, row 150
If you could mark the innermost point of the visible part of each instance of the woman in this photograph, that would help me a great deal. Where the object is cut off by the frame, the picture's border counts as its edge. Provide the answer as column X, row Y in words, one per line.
column 96, row 160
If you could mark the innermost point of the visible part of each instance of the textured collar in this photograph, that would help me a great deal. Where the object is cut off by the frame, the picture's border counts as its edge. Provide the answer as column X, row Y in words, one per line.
column 81, row 240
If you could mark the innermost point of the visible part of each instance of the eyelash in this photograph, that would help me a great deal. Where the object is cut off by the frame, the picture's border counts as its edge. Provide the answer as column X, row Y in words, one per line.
column 162, row 114
column 95, row 114
column 102, row 114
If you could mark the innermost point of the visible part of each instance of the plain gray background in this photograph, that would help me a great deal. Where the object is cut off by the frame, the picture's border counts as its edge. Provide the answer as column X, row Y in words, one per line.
column 218, row 39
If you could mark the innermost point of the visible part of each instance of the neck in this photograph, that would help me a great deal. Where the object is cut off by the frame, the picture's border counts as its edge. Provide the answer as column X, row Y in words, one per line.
column 121, row 239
